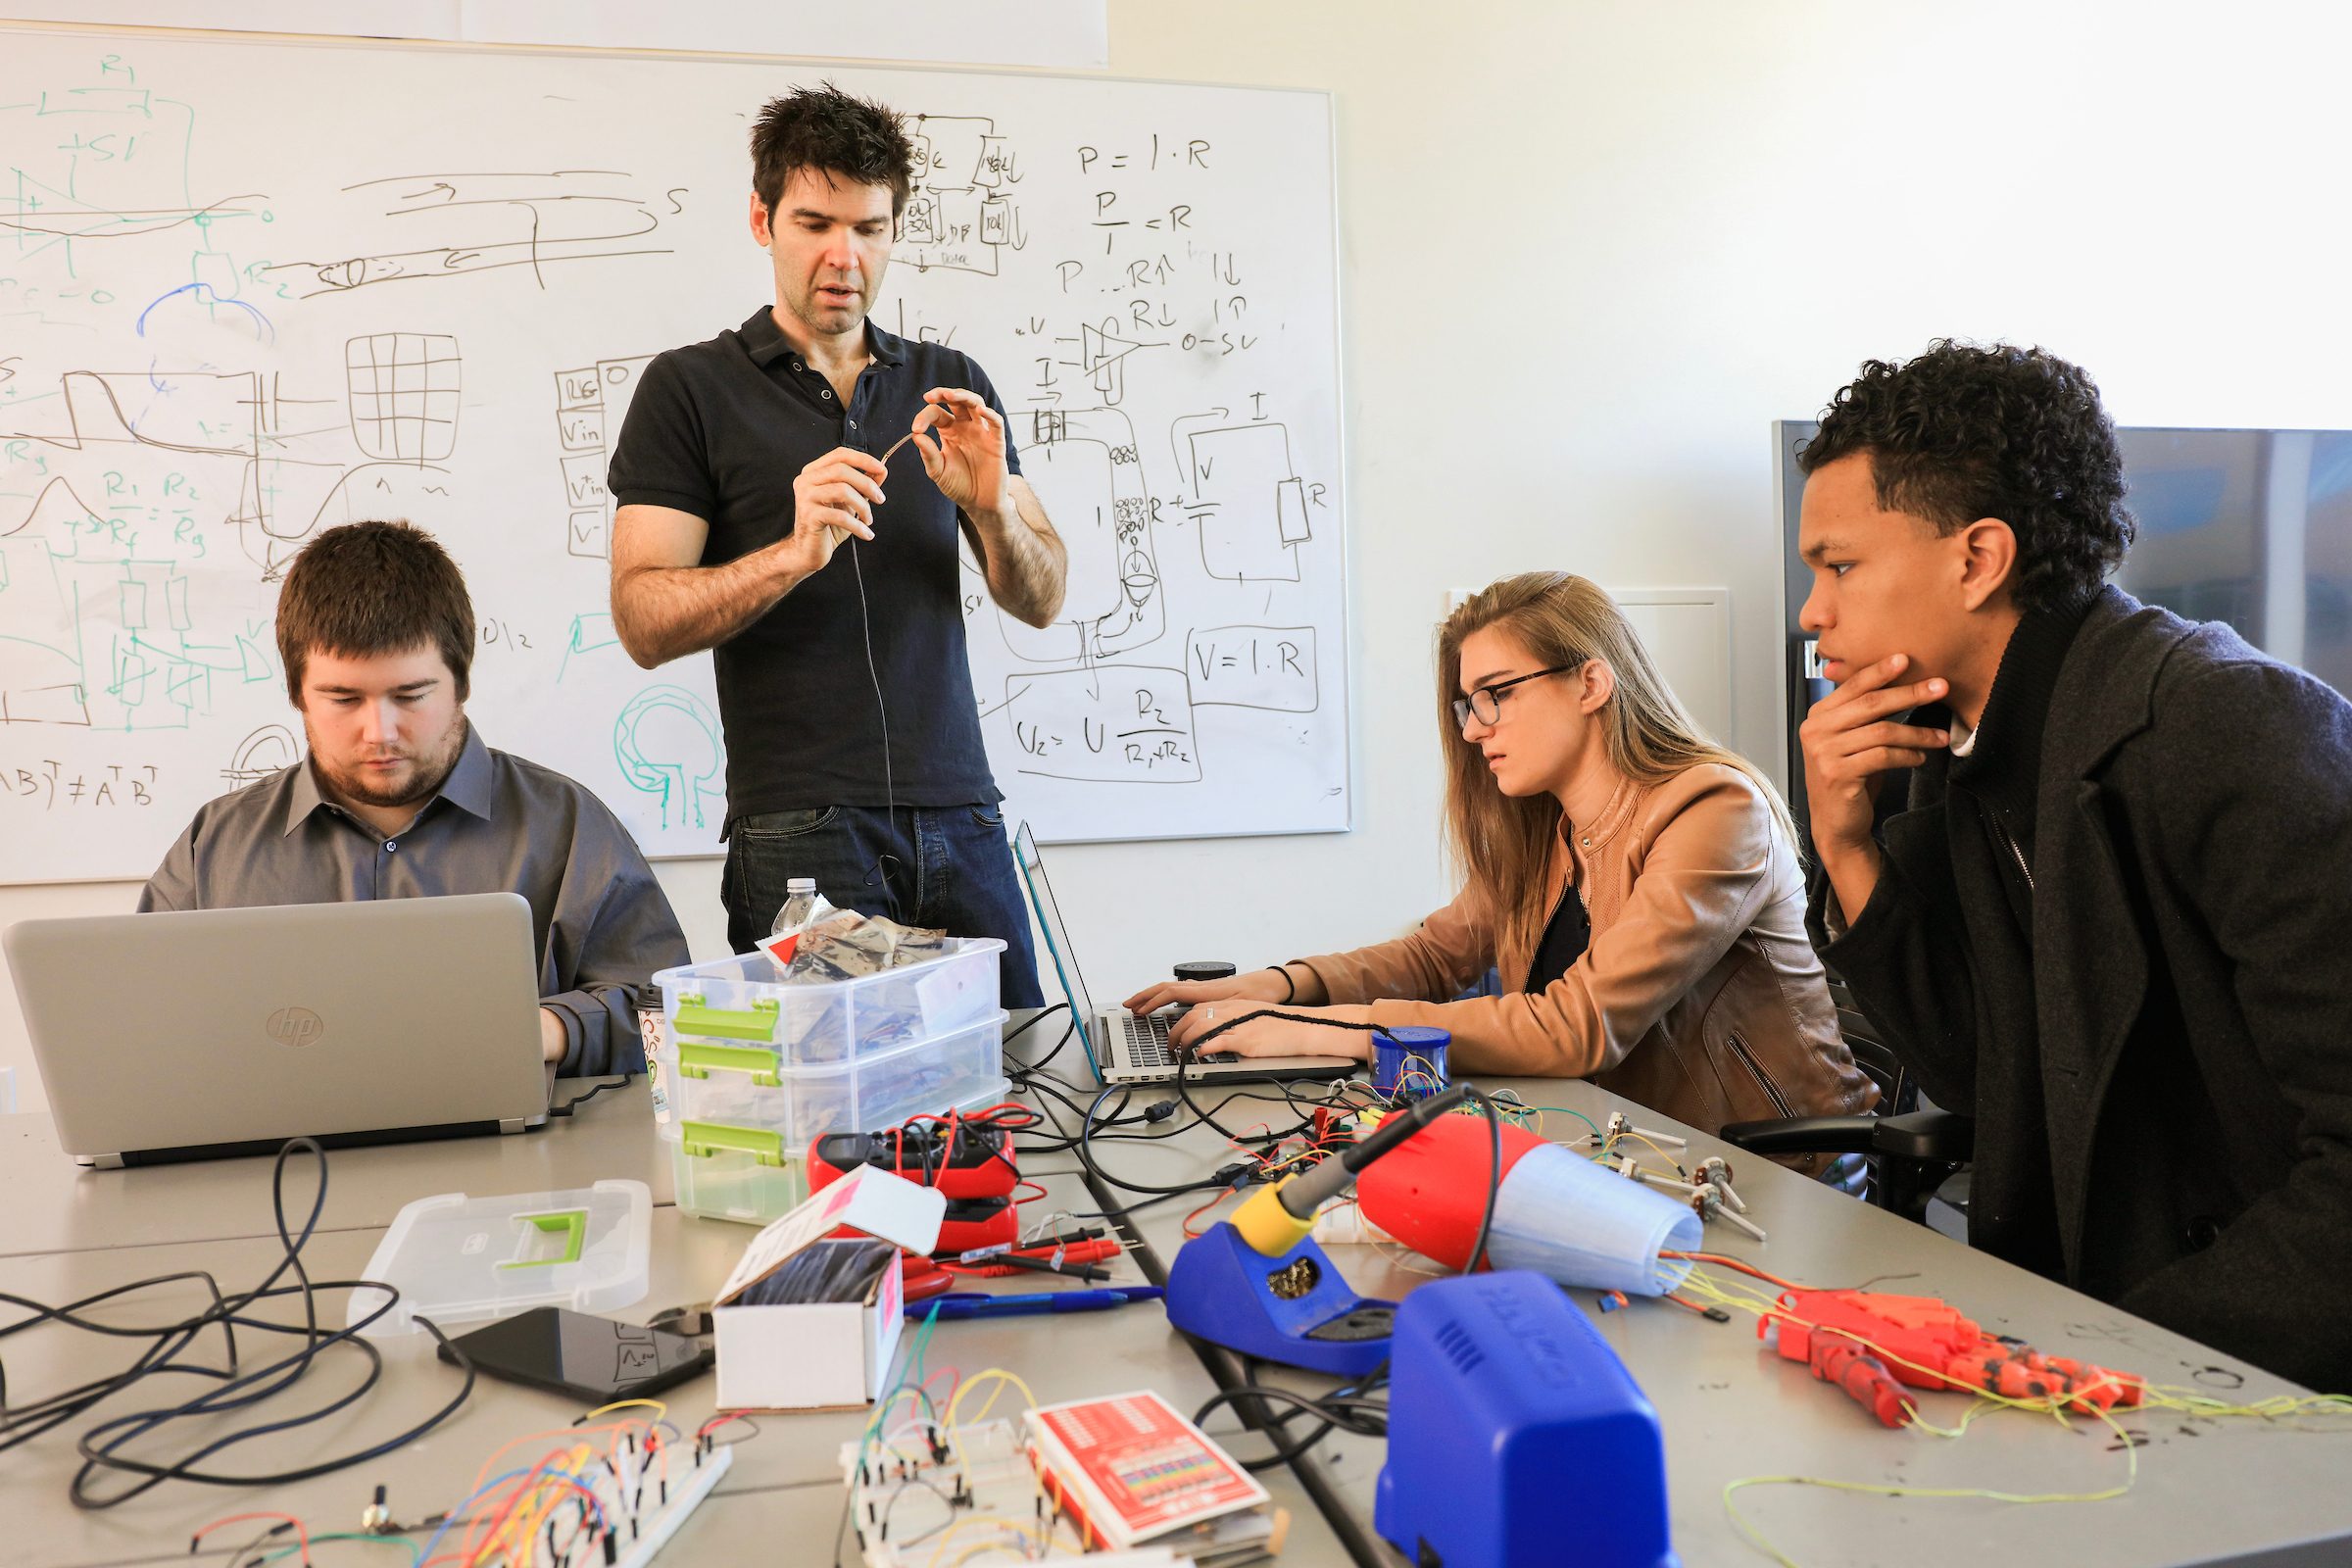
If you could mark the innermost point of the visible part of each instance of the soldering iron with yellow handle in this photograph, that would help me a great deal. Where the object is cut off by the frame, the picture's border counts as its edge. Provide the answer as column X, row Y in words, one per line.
column 1274, row 1219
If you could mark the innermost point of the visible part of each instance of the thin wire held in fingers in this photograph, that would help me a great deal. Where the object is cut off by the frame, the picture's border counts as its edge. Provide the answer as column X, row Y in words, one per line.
column 934, row 414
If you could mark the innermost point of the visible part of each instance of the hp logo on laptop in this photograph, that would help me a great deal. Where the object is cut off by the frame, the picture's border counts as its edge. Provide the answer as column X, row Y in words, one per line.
column 295, row 1026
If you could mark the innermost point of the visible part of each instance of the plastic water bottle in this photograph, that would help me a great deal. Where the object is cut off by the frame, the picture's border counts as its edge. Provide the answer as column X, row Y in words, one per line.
column 802, row 907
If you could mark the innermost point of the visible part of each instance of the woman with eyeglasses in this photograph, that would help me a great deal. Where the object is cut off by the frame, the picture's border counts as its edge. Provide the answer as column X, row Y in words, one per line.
column 1636, row 885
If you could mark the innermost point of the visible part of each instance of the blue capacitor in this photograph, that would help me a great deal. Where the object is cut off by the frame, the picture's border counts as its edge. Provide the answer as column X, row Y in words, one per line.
column 1409, row 1062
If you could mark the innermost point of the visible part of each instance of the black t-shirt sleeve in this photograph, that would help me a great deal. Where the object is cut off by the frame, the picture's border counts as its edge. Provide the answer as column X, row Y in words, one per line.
column 987, row 390
column 661, row 458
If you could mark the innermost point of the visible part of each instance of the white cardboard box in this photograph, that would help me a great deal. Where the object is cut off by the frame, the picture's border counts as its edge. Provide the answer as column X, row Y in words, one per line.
column 822, row 1354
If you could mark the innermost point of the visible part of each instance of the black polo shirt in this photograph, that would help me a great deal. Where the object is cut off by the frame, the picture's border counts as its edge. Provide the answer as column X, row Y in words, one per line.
column 721, row 429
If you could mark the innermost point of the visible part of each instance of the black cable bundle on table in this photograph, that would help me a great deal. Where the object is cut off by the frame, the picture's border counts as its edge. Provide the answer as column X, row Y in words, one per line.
column 102, row 1446
column 1350, row 1408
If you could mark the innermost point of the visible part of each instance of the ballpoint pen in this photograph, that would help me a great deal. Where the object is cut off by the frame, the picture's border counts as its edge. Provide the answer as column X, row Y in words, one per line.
column 973, row 1303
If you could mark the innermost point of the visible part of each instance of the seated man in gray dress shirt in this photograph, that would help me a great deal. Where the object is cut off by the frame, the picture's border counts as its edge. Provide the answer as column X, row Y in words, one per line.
column 399, row 799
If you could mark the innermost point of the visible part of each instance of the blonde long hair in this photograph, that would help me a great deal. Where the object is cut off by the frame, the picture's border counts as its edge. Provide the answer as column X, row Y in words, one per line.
column 1505, row 844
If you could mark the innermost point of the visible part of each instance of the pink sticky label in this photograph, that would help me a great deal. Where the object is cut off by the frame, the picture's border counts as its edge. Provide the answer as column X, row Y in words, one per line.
column 843, row 1193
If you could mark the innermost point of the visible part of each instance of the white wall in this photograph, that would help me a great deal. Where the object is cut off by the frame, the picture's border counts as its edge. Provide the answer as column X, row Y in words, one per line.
column 1592, row 250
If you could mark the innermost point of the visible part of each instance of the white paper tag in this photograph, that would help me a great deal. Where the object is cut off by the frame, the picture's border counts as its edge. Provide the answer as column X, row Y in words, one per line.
column 947, row 996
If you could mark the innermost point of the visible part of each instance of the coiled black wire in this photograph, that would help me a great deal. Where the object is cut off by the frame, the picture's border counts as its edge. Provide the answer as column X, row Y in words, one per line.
column 102, row 1447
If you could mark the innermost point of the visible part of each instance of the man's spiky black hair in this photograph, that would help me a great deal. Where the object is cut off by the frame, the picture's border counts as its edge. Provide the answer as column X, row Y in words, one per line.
column 825, row 129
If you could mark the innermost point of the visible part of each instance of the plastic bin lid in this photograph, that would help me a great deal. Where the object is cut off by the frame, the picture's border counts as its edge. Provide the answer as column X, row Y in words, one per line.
column 458, row 1259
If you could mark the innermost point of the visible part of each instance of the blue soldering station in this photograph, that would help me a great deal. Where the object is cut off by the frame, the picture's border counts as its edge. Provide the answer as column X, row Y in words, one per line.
column 1258, row 1284
column 1516, row 1436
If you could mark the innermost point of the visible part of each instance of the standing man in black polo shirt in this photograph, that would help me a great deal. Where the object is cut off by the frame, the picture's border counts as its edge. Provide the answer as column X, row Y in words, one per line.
column 746, row 466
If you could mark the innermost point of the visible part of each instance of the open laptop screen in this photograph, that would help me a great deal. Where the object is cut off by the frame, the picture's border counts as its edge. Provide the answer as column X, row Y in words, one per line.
column 1057, row 941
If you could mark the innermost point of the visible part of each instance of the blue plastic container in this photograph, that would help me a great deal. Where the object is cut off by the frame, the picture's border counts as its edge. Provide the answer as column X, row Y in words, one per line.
column 1516, row 1437
column 1409, row 1062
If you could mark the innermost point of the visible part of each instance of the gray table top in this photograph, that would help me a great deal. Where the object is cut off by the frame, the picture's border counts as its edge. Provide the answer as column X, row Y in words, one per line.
column 2208, row 1490
column 784, row 1489
column 55, row 1206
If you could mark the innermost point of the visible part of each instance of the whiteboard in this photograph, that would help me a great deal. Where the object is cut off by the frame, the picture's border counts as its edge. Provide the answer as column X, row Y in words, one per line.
column 251, row 290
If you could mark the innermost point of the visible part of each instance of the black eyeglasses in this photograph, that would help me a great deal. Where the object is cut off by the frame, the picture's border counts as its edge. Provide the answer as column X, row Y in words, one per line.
column 1485, row 703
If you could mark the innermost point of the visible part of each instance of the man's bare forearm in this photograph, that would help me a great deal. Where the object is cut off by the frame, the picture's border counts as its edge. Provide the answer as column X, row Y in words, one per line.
column 666, row 612
column 1022, row 558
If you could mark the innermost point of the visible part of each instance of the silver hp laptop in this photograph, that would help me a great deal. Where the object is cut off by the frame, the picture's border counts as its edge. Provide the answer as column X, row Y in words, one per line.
column 1127, row 1050
column 210, row 1033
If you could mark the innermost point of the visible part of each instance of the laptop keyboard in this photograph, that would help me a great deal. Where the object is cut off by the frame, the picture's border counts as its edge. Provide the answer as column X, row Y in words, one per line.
column 1148, row 1041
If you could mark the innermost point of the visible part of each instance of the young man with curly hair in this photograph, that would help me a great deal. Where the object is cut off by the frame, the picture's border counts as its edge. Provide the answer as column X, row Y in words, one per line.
column 2112, row 924
column 745, row 465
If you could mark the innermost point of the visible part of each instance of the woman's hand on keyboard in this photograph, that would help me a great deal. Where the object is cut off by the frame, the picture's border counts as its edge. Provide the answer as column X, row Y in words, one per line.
column 1274, row 1036
column 1258, row 985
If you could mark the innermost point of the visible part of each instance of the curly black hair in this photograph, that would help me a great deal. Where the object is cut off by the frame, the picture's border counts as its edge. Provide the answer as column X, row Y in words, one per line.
column 824, row 129
column 1965, row 433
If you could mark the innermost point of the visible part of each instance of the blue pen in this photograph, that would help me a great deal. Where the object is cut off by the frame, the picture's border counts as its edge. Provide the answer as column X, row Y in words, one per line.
column 974, row 1303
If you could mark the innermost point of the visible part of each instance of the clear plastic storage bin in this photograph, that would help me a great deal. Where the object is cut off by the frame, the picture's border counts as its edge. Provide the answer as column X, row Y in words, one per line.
column 795, row 1107
column 725, row 1181
column 458, row 1259
column 734, row 1011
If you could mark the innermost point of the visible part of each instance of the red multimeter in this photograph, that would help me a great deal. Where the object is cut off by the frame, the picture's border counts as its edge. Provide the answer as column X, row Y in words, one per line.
column 971, row 1163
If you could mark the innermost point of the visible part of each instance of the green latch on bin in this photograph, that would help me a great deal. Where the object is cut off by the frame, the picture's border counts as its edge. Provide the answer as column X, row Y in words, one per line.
column 703, row 1139
column 573, row 1222
column 696, row 1017
column 695, row 1061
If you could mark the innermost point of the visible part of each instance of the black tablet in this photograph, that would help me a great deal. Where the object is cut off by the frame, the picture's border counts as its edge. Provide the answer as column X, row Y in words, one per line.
column 594, row 1359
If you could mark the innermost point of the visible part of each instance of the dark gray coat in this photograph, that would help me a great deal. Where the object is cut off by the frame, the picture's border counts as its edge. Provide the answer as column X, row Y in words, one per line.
column 2164, row 1083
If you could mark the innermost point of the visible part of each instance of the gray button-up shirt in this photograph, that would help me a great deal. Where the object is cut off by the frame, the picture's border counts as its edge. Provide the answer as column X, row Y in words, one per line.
column 498, row 825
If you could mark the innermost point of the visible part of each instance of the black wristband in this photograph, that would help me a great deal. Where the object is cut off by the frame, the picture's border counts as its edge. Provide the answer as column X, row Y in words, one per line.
column 1289, row 986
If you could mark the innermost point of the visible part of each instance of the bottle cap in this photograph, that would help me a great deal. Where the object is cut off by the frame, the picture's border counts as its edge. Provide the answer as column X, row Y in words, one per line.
column 1207, row 970
column 800, row 884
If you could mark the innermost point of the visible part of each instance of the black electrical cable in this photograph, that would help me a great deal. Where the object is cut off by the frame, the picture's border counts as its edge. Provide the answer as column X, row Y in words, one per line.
column 565, row 1109
column 1086, row 1157
column 1344, row 1408
column 1069, row 1140
column 1215, row 1030
column 1486, row 1223
column 1034, row 1018
column 1023, row 1071
column 1090, row 1121
column 1080, row 1145
column 101, row 1445
column 1191, row 1047
column 1485, row 1220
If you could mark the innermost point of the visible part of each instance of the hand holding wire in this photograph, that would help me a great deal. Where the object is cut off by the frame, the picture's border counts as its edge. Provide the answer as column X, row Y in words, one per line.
column 832, row 496
column 966, row 455
column 933, row 414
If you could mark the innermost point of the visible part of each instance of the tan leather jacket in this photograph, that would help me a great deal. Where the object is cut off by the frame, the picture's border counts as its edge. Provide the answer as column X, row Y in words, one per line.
column 1699, row 995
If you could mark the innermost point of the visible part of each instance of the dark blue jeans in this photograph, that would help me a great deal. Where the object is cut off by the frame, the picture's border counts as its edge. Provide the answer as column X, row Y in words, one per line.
column 951, row 868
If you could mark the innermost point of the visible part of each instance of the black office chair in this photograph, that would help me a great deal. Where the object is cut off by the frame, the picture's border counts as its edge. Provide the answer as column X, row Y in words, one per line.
column 1908, row 1150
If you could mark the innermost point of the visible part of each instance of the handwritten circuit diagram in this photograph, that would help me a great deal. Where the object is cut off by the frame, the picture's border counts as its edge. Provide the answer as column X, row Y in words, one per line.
column 236, row 309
